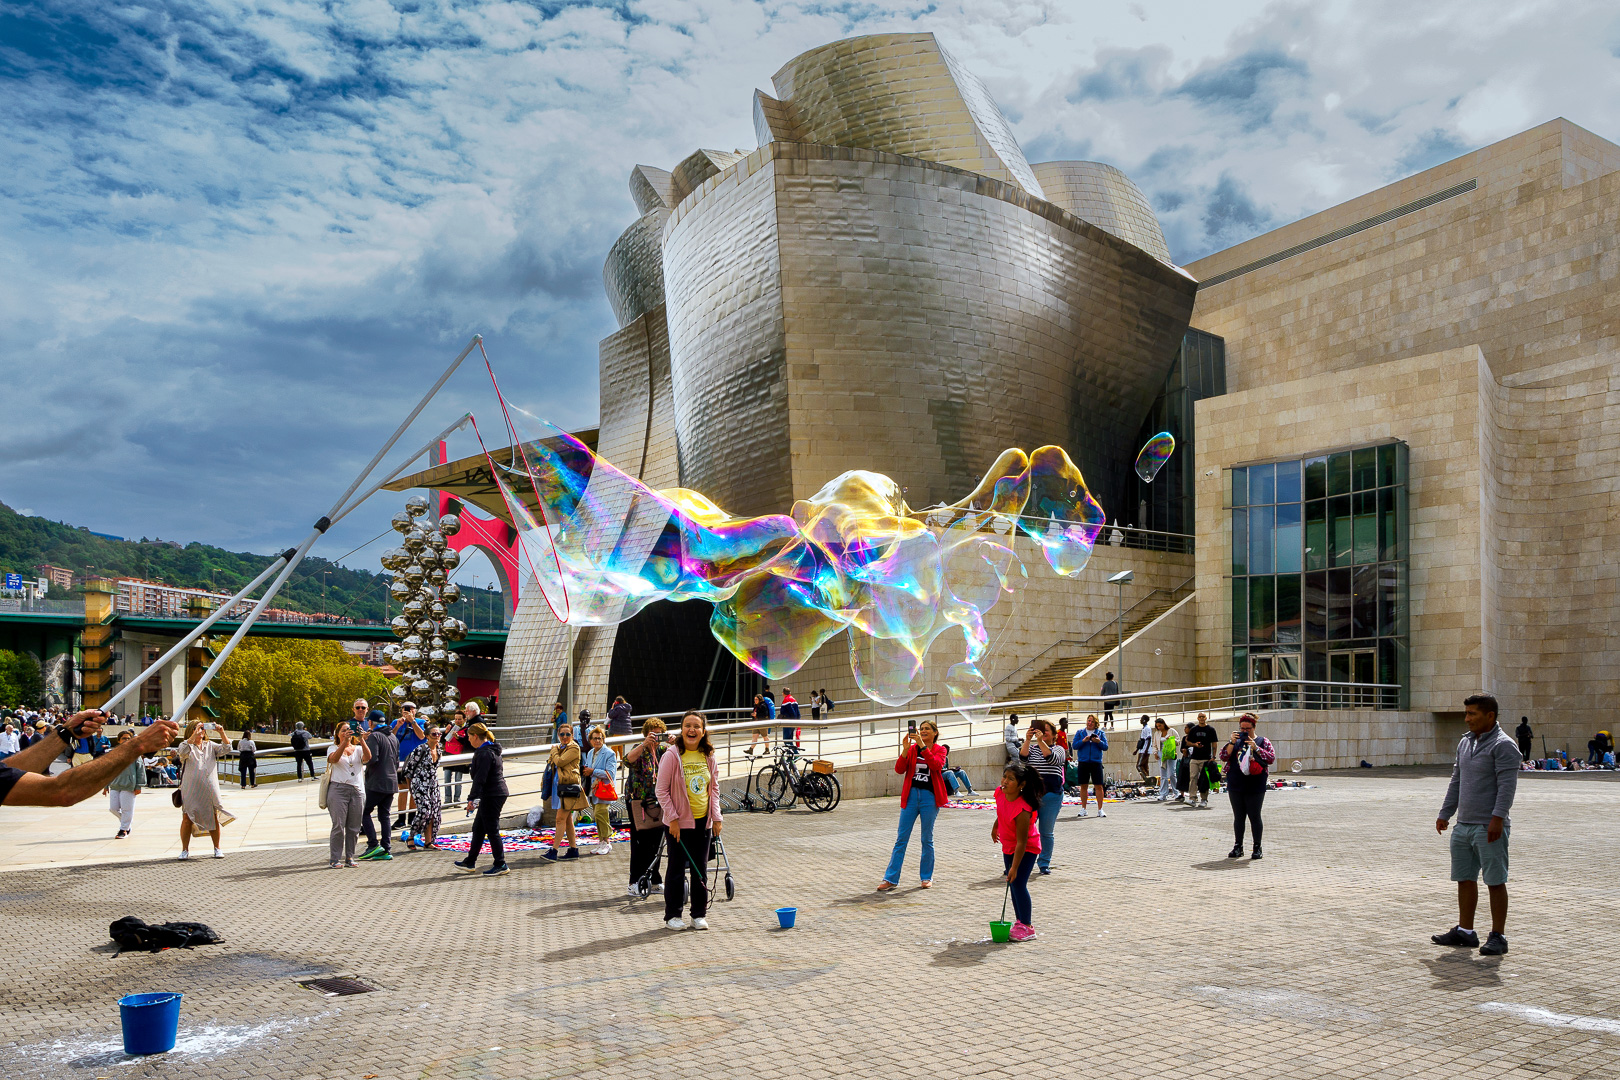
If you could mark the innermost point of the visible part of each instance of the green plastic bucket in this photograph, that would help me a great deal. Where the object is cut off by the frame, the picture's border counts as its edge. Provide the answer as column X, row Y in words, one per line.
column 1000, row 931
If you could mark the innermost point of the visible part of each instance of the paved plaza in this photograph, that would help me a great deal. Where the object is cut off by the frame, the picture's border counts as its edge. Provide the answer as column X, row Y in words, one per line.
column 1157, row 956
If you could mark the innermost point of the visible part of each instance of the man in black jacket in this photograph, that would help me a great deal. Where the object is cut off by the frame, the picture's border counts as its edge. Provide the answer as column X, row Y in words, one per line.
column 382, row 782
column 302, row 754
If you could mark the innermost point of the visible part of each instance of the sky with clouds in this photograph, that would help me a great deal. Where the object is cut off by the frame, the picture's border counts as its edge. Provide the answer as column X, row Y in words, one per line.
column 241, row 238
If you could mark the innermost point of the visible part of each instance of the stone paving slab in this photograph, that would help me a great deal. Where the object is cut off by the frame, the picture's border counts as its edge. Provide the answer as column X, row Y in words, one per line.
column 1315, row 962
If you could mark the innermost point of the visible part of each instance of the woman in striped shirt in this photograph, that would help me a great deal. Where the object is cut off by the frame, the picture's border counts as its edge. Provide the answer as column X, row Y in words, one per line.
column 1044, row 752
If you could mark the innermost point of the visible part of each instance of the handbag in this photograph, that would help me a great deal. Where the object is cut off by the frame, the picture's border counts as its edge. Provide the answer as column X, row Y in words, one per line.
column 605, row 791
column 326, row 780
column 569, row 791
column 179, row 777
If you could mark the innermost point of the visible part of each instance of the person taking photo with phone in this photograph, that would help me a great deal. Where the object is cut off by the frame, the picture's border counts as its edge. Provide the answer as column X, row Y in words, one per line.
column 199, row 785
column 345, row 792
column 922, row 765
column 1248, row 758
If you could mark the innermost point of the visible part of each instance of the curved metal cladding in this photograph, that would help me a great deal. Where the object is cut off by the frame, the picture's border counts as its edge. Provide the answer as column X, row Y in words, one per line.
column 902, row 94
column 1107, row 198
column 633, row 274
column 833, row 308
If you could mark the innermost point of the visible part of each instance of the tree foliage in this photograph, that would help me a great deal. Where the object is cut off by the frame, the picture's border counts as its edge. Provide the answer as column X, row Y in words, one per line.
column 281, row 681
column 22, row 684
column 27, row 542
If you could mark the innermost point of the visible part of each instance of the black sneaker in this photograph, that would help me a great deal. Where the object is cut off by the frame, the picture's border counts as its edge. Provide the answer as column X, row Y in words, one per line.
column 1458, row 936
column 495, row 871
column 1257, row 854
column 1236, row 852
column 1495, row 945
column 571, row 853
column 465, row 865
column 399, row 821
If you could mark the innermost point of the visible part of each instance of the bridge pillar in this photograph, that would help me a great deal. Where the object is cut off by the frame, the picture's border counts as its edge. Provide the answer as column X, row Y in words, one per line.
column 174, row 687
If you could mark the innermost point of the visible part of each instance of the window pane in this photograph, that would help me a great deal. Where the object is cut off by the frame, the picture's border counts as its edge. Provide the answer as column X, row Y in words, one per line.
column 1338, row 604
column 1262, row 488
column 1316, row 606
column 1386, row 465
column 1288, row 614
column 1388, row 672
column 1388, row 524
column 1339, row 474
column 1366, row 526
column 1364, row 604
column 1287, row 480
column 1288, row 551
column 1316, row 666
column 1240, row 665
column 1341, row 538
column 1262, row 610
column 1316, row 537
column 1403, row 463
column 1240, row 541
column 1339, row 666
column 1364, row 469
column 1316, row 478
column 1240, row 610
column 1260, row 518
column 1240, row 487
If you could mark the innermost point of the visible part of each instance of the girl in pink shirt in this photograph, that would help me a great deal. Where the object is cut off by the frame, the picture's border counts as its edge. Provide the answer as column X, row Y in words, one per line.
column 1018, row 803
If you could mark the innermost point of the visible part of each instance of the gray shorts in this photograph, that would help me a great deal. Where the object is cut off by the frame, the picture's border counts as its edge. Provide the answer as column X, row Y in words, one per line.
column 1472, row 856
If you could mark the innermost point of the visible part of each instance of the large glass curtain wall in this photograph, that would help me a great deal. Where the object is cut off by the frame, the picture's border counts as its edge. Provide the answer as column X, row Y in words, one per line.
column 1319, row 570
column 1167, row 504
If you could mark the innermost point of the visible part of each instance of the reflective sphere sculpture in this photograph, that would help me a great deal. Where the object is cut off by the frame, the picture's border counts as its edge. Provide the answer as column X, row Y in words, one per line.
column 427, row 712
column 402, row 522
column 414, row 573
column 428, row 558
column 416, row 505
column 399, row 590
column 450, row 592
column 436, row 609
column 422, row 587
column 398, row 692
column 437, row 576
column 413, row 641
column 449, row 559
column 435, row 540
column 415, row 540
column 400, row 625
column 413, row 609
column 450, row 524
column 421, row 687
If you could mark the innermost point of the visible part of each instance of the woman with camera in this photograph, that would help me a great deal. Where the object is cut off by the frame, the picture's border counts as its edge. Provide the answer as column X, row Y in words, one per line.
column 199, row 785
column 1045, row 753
column 569, row 798
column 345, row 793
column 922, row 792
column 1248, row 757
column 641, row 802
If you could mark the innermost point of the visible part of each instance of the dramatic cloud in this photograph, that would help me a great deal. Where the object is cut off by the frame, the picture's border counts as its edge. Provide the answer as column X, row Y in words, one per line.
column 241, row 238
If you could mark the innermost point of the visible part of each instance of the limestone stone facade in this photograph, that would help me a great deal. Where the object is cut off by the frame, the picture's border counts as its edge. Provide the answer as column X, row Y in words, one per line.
column 1484, row 330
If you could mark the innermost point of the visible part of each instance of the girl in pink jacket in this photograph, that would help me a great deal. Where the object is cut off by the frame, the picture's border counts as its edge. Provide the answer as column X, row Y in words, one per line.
column 688, row 791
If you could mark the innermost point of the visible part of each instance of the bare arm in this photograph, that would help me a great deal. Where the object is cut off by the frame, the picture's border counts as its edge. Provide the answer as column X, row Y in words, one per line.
column 76, row 785
column 38, row 757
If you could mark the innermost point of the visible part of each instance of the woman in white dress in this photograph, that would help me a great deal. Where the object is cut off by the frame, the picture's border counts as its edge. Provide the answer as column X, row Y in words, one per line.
column 200, row 807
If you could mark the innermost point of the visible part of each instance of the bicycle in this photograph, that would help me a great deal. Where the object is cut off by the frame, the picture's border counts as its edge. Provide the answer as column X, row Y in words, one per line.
column 794, row 776
column 748, row 802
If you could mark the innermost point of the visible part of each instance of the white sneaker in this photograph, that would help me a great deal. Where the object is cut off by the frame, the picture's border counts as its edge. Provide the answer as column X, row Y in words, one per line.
column 658, row 890
column 675, row 924
column 604, row 849
column 700, row 924
column 633, row 893
column 184, row 855
column 1081, row 814
column 1101, row 812
column 218, row 854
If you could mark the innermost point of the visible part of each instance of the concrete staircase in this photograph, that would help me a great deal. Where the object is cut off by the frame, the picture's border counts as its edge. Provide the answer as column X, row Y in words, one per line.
column 1058, row 676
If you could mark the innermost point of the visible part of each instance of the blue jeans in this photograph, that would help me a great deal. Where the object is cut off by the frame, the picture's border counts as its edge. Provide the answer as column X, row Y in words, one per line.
column 1051, row 803
column 1167, row 779
column 919, row 803
column 1019, row 886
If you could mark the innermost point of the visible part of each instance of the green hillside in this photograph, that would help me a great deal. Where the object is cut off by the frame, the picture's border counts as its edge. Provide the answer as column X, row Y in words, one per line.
column 26, row 542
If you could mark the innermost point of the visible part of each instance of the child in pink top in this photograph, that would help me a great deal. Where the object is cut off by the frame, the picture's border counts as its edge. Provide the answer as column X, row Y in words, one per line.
column 1018, row 802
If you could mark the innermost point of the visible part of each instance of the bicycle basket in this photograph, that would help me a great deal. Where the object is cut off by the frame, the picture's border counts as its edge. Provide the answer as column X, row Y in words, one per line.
column 822, row 765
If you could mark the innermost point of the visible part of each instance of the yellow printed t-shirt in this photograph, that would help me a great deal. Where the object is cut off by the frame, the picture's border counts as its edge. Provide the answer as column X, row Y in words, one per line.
column 695, row 764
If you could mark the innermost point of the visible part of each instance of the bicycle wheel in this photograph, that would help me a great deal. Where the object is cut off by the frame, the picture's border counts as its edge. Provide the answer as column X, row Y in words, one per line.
column 837, row 792
column 778, row 787
column 818, row 793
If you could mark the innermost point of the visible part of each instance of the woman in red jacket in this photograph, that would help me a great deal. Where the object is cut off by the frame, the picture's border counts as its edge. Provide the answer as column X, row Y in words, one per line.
column 922, row 763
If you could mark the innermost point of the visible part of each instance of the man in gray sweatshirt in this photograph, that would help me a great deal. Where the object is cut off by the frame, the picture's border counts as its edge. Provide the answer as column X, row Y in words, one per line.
column 1483, row 782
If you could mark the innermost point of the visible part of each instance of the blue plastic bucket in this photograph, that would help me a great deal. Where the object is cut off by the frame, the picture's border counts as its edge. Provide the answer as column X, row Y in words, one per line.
column 151, row 1022
column 786, row 916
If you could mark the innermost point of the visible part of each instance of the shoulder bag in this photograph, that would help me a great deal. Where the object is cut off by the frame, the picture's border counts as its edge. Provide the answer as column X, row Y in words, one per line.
column 326, row 780
column 179, row 778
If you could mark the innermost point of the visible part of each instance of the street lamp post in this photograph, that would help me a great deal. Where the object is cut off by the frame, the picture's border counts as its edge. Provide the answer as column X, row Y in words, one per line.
column 1121, row 579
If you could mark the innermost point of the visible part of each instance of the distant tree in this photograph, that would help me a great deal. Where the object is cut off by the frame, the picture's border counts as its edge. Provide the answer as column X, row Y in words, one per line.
column 22, row 684
column 283, row 681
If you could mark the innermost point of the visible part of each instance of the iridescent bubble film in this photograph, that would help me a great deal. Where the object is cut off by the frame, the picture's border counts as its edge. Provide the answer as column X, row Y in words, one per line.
column 1154, row 454
column 851, row 559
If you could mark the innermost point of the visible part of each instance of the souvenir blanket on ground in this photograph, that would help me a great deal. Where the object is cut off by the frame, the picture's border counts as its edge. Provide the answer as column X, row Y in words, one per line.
column 529, row 839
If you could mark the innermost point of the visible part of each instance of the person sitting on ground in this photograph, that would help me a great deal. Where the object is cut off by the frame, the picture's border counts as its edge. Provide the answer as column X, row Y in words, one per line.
column 22, row 775
column 956, row 779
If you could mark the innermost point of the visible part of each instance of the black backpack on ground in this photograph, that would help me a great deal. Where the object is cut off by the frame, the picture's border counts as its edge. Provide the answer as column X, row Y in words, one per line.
column 134, row 935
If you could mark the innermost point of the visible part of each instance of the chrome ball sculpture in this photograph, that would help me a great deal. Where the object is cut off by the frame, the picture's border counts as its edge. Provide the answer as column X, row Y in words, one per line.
column 421, row 566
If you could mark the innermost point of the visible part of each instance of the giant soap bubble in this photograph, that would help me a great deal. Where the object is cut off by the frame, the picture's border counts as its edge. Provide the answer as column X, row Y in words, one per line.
column 851, row 559
column 1154, row 454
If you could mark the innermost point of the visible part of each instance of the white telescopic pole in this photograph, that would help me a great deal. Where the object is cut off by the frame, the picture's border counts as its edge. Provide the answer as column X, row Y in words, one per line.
column 197, row 631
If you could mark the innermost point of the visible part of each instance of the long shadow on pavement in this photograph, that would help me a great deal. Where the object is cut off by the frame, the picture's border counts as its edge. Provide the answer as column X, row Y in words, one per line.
column 1222, row 864
column 1464, row 971
column 276, row 872
column 590, row 949
column 966, row 953
column 581, row 905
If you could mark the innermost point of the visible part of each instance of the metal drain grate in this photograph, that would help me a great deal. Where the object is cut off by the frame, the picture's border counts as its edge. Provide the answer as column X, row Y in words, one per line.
column 339, row 987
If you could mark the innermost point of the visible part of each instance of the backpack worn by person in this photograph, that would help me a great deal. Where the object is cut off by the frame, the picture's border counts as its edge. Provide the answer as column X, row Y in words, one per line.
column 135, row 935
